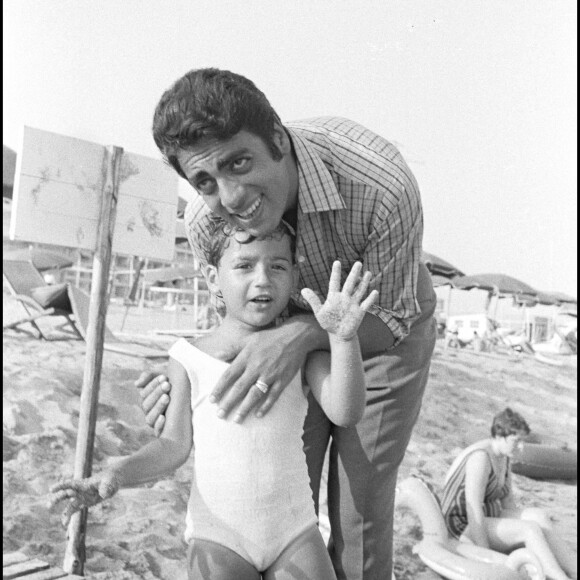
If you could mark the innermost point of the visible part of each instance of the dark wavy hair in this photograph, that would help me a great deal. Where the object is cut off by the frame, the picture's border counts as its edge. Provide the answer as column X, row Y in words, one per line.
column 214, row 103
column 221, row 232
column 507, row 423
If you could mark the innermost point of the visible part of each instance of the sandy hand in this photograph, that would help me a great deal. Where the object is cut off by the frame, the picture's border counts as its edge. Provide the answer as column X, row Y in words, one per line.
column 342, row 312
column 83, row 493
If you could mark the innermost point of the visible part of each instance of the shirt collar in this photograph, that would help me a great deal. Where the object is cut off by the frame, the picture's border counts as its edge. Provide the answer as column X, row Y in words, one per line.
column 316, row 188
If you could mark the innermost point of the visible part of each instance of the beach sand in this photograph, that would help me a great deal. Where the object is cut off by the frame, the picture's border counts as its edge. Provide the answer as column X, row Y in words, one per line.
column 138, row 533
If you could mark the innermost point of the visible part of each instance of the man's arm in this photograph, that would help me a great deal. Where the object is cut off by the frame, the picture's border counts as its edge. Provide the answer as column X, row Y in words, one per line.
column 373, row 334
column 292, row 341
column 275, row 356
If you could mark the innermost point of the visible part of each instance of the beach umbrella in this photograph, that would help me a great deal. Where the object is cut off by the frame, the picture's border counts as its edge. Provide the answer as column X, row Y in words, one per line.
column 496, row 283
column 442, row 273
column 41, row 259
column 440, row 267
column 557, row 298
column 439, row 280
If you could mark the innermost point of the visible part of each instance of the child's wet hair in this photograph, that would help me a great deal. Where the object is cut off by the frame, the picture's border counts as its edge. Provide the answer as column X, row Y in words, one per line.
column 222, row 232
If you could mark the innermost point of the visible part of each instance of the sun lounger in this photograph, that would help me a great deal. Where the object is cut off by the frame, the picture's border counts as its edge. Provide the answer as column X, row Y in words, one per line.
column 40, row 300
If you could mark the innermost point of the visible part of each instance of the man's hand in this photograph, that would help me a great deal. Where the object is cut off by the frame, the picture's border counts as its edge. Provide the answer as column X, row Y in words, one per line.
column 273, row 357
column 342, row 312
column 154, row 393
column 83, row 493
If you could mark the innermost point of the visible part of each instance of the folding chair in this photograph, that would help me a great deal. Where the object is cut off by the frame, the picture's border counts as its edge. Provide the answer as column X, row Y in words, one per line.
column 25, row 281
column 38, row 298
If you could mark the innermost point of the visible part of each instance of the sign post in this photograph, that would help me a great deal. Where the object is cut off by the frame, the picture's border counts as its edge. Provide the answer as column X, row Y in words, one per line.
column 75, row 557
column 75, row 193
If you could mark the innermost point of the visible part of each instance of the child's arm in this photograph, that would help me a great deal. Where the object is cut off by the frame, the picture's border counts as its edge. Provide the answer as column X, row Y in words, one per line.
column 162, row 456
column 156, row 459
column 337, row 380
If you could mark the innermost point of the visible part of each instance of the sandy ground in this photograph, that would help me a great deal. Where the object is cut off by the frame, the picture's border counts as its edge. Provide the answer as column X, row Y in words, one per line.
column 138, row 533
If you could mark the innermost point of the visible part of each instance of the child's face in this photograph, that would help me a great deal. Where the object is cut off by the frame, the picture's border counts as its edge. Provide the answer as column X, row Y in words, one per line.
column 256, row 279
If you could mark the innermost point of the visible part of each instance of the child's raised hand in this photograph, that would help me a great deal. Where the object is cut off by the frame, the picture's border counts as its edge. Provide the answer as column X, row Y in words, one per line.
column 83, row 493
column 343, row 310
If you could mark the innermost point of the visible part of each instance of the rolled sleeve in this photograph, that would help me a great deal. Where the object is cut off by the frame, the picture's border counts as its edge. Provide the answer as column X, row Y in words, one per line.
column 393, row 255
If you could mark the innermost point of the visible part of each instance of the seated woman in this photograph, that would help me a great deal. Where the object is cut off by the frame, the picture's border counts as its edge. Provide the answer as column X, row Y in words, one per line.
column 478, row 505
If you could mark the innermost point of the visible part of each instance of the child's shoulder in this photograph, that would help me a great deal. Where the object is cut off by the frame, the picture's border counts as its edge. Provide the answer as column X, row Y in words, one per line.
column 205, row 343
column 210, row 344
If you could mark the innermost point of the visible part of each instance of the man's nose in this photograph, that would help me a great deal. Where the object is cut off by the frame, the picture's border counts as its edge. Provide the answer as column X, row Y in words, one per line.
column 232, row 195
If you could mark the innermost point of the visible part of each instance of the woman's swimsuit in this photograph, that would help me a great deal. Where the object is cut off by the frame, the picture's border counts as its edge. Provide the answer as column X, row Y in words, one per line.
column 453, row 502
column 250, row 490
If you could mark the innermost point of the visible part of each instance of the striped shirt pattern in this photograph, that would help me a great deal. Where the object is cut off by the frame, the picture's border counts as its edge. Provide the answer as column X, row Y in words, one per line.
column 357, row 200
column 453, row 503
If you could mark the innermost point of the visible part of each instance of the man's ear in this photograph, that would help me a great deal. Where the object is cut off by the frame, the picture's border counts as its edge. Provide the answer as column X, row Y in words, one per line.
column 281, row 139
column 212, row 279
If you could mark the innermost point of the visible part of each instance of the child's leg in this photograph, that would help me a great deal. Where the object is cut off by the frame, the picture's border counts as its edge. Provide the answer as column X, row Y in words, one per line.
column 306, row 558
column 211, row 561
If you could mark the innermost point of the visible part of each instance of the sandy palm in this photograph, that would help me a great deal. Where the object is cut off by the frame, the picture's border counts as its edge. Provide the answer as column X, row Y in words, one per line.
column 343, row 310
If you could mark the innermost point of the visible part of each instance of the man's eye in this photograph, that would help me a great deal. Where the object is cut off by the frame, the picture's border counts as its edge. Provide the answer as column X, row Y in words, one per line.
column 240, row 163
column 204, row 186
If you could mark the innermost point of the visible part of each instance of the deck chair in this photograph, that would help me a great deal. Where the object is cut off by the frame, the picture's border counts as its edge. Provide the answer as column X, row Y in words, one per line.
column 38, row 298
column 25, row 282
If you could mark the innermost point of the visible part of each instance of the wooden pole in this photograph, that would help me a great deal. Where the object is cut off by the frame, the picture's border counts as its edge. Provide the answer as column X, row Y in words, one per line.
column 75, row 556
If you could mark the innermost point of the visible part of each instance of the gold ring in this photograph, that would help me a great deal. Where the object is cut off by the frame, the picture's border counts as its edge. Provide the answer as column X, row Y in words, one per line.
column 262, row 386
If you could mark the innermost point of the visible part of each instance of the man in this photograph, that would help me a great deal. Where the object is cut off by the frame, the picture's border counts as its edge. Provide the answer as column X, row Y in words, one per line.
column 349, row 196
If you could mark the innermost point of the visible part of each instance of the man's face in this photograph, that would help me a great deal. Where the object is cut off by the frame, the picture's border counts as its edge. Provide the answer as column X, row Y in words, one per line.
column 240, row 181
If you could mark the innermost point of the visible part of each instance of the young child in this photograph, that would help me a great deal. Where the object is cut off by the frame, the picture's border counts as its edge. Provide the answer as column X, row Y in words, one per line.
column 251, row 512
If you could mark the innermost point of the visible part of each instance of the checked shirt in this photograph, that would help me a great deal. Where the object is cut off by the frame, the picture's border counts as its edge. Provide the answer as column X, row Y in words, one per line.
column 357, row 200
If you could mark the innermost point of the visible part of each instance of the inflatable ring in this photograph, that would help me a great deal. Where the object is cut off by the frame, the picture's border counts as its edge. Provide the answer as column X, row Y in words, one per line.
column 457, row 560
column 545, row 461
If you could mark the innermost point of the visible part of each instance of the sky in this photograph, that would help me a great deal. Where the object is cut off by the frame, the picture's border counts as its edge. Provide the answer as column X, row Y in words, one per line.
column 479, row 96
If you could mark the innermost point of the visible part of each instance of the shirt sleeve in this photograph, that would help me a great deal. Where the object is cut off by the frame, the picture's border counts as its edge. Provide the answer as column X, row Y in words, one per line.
column 393, row 254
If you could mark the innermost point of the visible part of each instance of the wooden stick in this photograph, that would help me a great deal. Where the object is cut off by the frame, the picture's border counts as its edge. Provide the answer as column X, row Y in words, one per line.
column 75, row 556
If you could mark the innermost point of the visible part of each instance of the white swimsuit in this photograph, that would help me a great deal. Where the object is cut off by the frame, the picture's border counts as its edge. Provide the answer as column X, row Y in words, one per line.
column 250, row 490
